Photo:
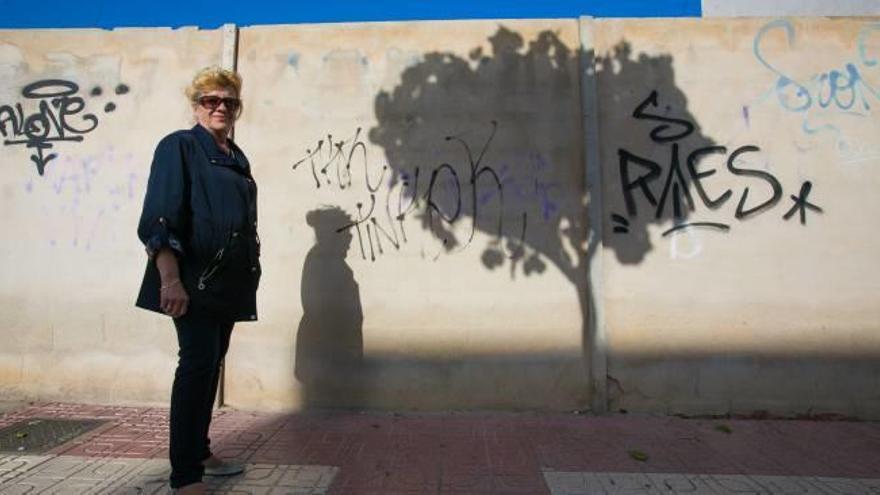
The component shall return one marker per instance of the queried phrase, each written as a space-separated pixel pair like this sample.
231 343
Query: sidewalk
451 453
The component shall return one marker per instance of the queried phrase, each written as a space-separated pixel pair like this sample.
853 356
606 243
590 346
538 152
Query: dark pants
203 343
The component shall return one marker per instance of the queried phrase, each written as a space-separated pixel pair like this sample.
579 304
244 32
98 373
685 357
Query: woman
199 225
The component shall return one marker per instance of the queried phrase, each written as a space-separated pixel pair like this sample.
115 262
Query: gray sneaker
214 466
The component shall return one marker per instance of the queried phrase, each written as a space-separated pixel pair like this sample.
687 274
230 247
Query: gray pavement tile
736 484
107 469
260 475
561 483
626 484
64 475
146 476
62 467
48 473
12 466
279 476
30 486
272 479
846 486
681 483
872 484
587 483
793 485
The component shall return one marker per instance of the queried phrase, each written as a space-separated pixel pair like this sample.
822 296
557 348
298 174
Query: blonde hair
213 78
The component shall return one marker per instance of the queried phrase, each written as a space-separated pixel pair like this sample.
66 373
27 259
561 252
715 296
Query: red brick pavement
487 452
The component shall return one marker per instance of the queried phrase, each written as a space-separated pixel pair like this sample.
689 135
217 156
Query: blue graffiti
844 89
863 37
530 188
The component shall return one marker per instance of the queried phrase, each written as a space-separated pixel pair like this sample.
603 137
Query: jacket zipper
211 269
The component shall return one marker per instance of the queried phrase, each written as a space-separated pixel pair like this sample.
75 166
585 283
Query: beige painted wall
771 314
427 308
71 261
440 329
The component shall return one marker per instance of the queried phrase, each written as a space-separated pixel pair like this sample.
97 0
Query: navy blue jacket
202 203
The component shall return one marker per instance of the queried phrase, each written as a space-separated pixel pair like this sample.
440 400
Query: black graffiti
439 192
332 163
801 204
55 119
638 175
642 182
697 177
675 185
741 211
477 170
329 154
657 134
622 226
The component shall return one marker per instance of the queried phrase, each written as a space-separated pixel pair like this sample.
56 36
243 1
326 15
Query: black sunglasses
211 102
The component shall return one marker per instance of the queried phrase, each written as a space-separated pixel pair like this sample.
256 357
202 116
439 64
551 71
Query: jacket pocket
223 284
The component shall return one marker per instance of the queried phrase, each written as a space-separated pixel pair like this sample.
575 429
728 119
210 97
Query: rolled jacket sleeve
164 219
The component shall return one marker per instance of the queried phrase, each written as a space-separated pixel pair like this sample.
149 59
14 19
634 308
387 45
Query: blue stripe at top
22 14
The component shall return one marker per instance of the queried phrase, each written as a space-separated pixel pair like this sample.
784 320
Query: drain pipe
229 62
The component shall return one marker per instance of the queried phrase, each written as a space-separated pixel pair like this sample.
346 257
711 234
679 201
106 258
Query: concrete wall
770 306
73 180
445 217
385 126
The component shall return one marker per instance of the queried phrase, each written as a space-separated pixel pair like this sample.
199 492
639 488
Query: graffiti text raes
640 175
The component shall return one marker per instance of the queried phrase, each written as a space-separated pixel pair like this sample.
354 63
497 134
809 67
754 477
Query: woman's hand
173 299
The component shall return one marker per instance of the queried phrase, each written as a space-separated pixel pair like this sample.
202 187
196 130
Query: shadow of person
329 340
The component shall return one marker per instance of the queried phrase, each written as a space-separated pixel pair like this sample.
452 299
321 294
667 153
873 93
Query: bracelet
172 284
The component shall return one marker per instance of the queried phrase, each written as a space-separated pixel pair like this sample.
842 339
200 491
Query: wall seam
229 61
595 338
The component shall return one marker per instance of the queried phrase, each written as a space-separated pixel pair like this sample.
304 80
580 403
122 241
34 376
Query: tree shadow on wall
494 144
329 340
656 155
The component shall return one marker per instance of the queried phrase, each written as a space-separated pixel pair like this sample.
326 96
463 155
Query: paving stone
149 476
587 483
789 484
29 488
626 483
736 485
682 483
872 483
563 483
843 486
12 466
82 475
55 475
